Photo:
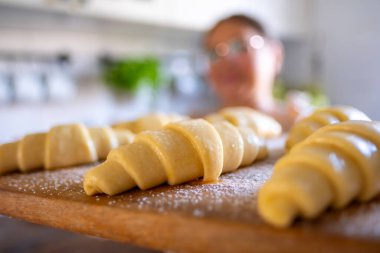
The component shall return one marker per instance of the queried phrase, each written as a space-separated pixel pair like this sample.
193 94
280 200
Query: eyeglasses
235 47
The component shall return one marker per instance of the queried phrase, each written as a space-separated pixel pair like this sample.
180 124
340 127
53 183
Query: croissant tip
279 212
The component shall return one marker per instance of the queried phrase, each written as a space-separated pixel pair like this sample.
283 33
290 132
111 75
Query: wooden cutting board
193 217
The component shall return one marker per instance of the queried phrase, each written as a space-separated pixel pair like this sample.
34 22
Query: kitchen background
54 53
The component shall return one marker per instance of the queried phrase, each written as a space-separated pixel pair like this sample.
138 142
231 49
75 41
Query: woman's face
242 63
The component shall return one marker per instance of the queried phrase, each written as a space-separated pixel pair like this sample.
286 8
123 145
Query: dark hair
252 22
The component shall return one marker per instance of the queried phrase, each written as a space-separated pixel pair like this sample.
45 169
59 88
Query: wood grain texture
192 217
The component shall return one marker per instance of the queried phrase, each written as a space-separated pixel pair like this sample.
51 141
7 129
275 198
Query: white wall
347 39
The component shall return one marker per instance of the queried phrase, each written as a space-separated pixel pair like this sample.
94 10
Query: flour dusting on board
46 183
234 191
232 198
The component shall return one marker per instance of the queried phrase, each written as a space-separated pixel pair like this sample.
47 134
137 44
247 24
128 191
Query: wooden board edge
170 232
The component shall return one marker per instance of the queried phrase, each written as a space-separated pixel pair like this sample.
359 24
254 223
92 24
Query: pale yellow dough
123 136
264 125
337 164
31 152
104 139
62 146
67 145
153 121
8 157
177 153
319 118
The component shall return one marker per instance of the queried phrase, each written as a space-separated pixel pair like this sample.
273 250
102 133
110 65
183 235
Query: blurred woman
244 63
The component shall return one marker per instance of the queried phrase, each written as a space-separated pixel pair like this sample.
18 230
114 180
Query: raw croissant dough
152 121
62 146
264 125
337 164
179 152
320 118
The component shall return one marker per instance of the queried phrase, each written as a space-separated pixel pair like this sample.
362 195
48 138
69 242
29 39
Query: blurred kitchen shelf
285 18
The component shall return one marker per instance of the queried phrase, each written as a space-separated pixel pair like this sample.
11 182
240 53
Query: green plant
130 74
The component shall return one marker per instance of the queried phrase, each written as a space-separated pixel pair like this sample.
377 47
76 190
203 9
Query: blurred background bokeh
103 61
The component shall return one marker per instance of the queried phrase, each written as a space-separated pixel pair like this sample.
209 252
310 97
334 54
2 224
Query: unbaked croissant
320 118
62 146
180 152
153 121
337 164
264 125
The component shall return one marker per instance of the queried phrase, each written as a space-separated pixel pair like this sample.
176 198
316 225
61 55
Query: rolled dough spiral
177 153
264 125
62 146
337 164
320 118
